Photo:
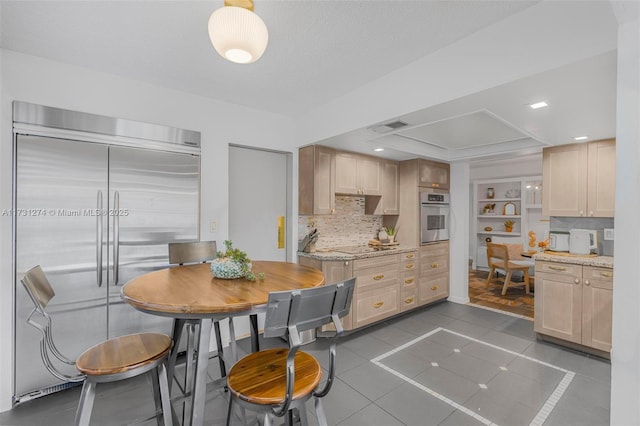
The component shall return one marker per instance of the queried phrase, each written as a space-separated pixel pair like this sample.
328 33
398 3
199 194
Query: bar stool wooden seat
278 382
116 359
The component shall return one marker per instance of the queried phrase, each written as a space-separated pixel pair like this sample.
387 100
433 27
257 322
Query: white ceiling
318 51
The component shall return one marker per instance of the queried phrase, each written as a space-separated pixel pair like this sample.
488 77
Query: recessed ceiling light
379 149
539 105
580 138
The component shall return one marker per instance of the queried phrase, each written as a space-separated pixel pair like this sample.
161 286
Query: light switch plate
608 234
213 226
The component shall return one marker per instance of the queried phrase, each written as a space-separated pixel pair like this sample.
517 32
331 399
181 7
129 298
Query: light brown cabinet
434 174
579 179
357 174
574 303
434 272
316 191
389 204
385 285
413 178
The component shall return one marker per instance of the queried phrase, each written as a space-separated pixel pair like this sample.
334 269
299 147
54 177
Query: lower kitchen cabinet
434 272
389 284
574 303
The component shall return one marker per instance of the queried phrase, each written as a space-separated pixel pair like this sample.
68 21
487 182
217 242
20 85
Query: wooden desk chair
115 359
185 253
278 381
506 257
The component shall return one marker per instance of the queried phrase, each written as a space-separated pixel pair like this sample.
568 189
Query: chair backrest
309 308
192 252
38 287
498 254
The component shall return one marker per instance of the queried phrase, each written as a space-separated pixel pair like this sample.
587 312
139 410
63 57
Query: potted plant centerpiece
232 263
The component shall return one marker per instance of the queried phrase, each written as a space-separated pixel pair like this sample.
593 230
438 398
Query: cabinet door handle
378 277
576 281
378 304
409 256
590 212
581 212
557 268
435 287
408 300
606 274
435 185
409 266
434 265
408 281
586 282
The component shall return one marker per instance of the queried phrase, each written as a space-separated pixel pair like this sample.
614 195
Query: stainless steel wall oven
434 215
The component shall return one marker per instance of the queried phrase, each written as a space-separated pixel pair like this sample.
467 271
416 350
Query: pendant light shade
238 34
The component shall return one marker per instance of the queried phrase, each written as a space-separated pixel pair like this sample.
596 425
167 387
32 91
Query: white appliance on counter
582 241
559 241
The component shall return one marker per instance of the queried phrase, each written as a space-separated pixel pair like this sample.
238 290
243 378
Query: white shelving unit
524 194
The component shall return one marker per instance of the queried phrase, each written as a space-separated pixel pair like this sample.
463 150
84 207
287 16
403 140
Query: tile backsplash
605 248
348 226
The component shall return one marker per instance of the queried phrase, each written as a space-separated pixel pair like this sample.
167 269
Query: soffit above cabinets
475 129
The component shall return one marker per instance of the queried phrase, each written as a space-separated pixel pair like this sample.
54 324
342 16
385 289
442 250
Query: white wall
625 353
40 81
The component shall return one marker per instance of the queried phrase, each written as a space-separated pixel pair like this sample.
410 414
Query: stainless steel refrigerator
96 200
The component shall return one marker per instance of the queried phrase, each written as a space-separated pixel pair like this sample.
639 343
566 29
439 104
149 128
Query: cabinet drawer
408 298
383 275
433 288
407 266
596 273
430 265
376 261
559 268
376 304
435 249
408 280
410 256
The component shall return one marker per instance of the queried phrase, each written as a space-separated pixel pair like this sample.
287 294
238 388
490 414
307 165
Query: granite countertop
330 254
600 261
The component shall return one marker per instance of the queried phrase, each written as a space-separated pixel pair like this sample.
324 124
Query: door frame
289 195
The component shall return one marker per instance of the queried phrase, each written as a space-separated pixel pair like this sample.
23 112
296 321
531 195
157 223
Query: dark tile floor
448 364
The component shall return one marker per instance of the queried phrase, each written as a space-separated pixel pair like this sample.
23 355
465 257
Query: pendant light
237 33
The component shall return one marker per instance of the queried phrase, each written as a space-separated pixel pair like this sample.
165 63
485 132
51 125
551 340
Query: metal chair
500 258
278 382
185 253
115 359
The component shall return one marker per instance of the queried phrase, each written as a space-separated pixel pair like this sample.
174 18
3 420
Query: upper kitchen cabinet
357 174
389 204
579 179
316 194
433 174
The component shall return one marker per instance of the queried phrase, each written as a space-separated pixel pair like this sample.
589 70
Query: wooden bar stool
278 382
115 359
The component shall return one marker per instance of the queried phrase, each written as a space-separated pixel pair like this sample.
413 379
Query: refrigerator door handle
116 237
99 237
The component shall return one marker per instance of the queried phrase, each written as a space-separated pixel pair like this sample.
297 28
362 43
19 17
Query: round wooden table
191 292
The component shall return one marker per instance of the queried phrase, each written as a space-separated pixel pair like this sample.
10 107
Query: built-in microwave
434 215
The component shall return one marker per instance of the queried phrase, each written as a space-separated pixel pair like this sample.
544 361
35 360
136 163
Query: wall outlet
213 226
608 234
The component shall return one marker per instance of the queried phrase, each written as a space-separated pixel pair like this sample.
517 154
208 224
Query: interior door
154 199
258 197
59 185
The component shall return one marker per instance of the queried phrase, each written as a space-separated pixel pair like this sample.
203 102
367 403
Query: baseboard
460 300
